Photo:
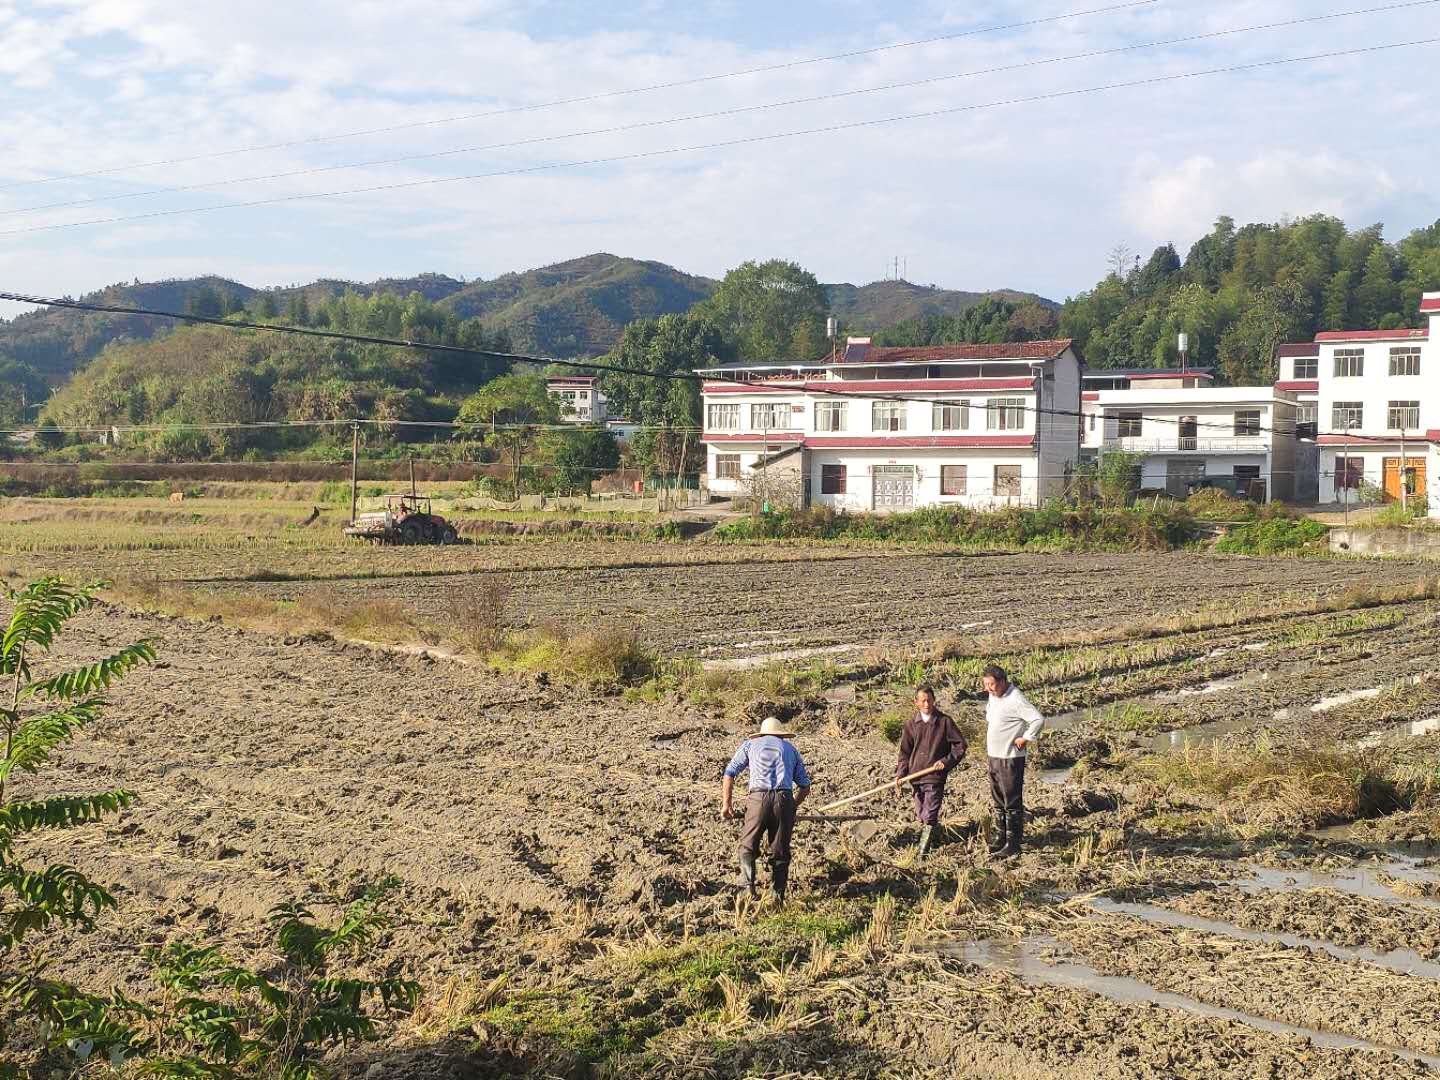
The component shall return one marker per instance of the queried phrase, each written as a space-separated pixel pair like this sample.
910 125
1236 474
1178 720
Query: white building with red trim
579 398
1379 407
885 429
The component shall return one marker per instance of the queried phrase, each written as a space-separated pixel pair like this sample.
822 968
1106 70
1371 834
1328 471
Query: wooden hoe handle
937 767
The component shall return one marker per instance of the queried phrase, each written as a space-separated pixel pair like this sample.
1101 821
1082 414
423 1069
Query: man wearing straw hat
776 768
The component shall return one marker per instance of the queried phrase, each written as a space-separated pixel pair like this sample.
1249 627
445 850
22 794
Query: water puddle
1327 704
1405 853
1366 883
1056 777
1022 959
1403 961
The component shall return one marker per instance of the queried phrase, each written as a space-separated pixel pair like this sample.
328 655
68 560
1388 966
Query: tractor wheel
448 535
411 533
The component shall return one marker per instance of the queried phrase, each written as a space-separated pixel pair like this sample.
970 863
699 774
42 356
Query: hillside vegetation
1240 292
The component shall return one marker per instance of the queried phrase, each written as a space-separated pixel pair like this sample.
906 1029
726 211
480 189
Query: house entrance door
894 487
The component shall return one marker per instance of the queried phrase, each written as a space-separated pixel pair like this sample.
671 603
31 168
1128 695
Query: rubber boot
927 834
747 874
1017 834
1002 835
780 881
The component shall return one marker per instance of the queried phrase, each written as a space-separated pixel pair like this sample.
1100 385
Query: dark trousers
771 814
927 802
1007 785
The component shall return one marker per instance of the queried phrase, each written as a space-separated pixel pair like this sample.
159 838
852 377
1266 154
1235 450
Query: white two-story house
579 398
885 429
1239 438
1379 407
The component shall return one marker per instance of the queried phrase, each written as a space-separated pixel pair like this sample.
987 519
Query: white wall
1376 388
980 465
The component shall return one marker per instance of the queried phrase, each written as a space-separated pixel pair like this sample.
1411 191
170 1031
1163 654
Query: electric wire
852 125
718 113
587 98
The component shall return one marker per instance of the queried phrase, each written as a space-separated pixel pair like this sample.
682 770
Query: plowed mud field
565 888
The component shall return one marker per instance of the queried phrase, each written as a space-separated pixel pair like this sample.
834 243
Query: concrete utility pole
1404 474
354 463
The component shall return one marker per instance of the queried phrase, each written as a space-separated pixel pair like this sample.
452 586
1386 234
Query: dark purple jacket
922 744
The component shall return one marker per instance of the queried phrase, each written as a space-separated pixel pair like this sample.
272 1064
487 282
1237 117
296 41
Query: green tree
773 310
1247 350
1378 294
1335 302
511 411
579 456
206 301
21 389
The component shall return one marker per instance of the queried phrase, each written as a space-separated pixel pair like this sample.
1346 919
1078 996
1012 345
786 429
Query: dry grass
603 657
476 616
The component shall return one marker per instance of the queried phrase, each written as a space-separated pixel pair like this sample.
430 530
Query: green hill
881 304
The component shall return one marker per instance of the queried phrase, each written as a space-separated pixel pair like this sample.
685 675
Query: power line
852 125
720 113
586 98
305 331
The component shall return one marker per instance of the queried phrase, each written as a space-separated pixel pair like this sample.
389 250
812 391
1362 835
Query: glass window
887 416
1405 360
1347 415
830 415
1007 480
1307 367
1403 416
727 466
723 418
1005 414
950 416
1247 423
1349 363
953 479
771 416
832 479
1128 425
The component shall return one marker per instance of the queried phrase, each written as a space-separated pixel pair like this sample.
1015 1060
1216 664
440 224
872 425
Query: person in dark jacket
930 736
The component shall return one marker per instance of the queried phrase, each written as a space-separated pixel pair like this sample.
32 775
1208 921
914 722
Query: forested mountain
867 309
1239 292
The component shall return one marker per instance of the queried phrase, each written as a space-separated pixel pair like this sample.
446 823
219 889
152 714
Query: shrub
605 658
477 616
1275 536
43 716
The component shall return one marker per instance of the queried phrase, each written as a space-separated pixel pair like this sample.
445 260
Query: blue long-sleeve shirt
774 764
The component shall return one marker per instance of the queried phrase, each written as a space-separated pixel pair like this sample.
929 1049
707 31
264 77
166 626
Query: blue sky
1029 196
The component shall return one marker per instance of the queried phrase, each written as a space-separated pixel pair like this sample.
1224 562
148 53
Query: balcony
1233 444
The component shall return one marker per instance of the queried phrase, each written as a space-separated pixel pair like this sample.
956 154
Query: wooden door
1415 479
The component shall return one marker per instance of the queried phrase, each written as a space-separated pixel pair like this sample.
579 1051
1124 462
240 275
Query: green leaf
59 894
96 676
59 812
40 610
39 736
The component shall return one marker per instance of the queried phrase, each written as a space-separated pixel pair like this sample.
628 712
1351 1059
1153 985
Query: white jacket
1008 718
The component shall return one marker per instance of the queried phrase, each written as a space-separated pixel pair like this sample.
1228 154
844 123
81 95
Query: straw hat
772 726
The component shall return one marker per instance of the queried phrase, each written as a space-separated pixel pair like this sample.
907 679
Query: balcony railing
1234 444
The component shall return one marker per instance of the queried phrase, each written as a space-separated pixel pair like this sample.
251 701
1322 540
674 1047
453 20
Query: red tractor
406 519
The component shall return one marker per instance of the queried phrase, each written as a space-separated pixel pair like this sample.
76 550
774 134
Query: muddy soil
522 820
754 609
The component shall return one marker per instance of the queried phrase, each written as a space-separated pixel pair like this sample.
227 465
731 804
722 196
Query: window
887 416
1247 423
1347 415
1405 360
727 466
723 418
830 415
1349 472
1128 425
832 479
1307 367
1403 416
1092 421
771 416
1307 420
950 416
1005 414
953 479
1349 363
1007 481
1247 482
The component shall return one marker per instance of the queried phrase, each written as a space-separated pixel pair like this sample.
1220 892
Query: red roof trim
1176 374
756 437
1090 395
919 442
1430 306
571 380
1433 434
1372 335
872 386
1009 350
1303 386
1360 442
1304 349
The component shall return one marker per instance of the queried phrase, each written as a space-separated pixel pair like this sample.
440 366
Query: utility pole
412 477
765 461
1404 473
354 466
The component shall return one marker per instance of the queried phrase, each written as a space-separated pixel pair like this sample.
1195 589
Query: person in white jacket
1011 725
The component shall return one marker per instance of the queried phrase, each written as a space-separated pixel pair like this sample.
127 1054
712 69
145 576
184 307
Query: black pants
771 814
1007 784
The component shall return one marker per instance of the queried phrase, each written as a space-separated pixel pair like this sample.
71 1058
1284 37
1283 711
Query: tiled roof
1372 335
1303 348
1011 350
